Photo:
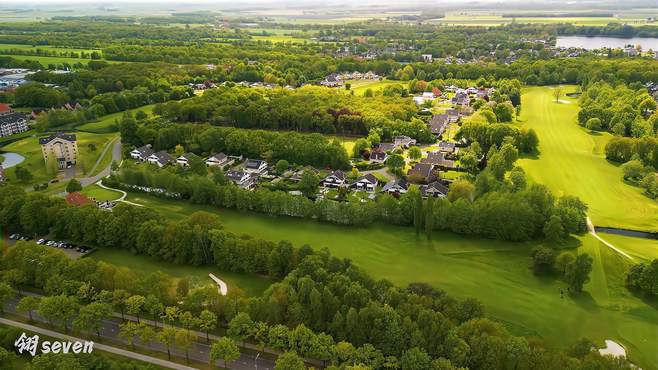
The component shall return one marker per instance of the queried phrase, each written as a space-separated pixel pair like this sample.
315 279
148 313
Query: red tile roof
77 199
4 108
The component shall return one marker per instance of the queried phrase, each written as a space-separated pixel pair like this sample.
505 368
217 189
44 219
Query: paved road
198 352
98 346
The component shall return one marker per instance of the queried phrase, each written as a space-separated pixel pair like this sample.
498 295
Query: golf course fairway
571 160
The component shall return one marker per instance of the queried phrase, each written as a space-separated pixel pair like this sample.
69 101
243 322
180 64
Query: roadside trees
28 304
91 317
226 349
207 322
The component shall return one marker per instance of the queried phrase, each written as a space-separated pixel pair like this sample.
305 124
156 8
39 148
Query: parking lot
71 249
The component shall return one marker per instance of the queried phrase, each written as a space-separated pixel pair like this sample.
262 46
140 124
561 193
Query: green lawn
250 284
87 157
98 193
7 47
644 250
108 122
572 161
49 60
482 19
30 149
497 273
360 86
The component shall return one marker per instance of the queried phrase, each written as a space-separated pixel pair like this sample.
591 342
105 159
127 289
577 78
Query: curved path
102 347
223 288
590 227
123 194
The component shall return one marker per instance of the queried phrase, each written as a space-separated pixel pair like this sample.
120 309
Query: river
592 43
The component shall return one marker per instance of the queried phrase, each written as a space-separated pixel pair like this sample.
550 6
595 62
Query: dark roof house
58 135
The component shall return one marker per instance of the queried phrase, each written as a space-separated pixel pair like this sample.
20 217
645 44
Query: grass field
87 157
45 61
250 284
572 161
360 86
30 149
108 122
484 19
98 193
281 38
497 273
4 47
643 250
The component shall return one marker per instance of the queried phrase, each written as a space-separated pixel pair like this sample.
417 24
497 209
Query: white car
41 241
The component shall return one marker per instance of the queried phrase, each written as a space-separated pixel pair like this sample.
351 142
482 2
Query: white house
161 158
255 166
335 180
184 160
435 189
142 153
366 183
404 141
396 187
218 160
378 155
242 179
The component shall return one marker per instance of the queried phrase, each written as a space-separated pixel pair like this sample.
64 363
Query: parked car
41 241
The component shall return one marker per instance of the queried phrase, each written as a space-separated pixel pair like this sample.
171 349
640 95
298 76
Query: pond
591 43
11 159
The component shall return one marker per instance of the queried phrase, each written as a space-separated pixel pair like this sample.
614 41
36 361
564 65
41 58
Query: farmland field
572 161
495 272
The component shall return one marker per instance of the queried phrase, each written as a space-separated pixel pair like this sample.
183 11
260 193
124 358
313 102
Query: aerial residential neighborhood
301 185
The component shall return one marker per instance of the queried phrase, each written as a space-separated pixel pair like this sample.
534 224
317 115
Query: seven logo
30 344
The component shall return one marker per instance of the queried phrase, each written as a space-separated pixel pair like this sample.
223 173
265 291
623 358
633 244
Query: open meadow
108 123
572 161
497 273
494 19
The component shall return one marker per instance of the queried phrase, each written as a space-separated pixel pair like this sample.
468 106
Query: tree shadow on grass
585 300
648 300
534 155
